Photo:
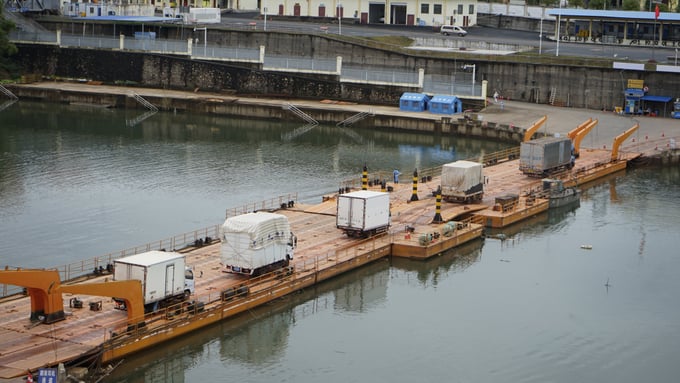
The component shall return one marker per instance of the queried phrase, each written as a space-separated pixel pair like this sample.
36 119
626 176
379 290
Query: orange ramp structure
537 125
619 140
581 134
572 133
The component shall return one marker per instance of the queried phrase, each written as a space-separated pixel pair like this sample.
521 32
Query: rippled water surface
533 307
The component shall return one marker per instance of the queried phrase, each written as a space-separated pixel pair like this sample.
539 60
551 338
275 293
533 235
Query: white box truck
164 275
462 181
256 243
363 213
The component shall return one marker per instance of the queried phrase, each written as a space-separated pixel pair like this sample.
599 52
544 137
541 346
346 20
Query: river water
530 305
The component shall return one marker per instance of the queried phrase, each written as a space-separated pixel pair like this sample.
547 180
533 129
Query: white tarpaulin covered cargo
461 178
254 240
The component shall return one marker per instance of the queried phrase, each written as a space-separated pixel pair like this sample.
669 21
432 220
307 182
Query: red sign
656 12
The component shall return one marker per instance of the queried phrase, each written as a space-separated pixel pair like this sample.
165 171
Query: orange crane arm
582 133
619 140
537 125
42 287
572 133
130 291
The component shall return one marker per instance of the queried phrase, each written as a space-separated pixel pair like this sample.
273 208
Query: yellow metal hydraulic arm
619 140
537 125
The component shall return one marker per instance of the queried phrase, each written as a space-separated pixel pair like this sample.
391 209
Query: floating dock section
94 328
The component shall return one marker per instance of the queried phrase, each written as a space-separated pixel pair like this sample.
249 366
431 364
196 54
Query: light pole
654 31
474 68
676 56
559 19
205 39
339 18
265 17
540 37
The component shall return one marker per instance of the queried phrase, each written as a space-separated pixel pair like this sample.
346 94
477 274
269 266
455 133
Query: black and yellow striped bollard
414 196
438 207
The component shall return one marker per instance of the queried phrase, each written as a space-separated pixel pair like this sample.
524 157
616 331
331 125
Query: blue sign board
47 375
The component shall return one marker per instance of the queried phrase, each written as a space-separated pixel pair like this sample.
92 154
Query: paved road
475 33
654 133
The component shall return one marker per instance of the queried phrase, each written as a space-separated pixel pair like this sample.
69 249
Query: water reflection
260 337
90 184
431 271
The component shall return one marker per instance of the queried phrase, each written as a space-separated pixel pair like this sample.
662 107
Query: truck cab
189 284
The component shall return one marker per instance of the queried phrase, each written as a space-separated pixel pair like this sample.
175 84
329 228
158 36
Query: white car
452 30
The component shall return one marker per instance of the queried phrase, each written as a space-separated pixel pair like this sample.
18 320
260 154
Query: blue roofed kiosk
413 102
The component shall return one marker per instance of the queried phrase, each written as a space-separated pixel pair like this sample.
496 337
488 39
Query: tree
596 4
631 5
7 49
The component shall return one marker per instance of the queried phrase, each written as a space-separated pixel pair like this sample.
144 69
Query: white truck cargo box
462 180
363 212
542 156
255 240
162 273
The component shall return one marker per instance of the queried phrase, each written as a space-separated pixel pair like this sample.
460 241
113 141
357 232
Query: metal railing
268 204
87 267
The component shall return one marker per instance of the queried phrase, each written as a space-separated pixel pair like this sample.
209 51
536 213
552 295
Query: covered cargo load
462 181
363 213
543 156
256 243
164 276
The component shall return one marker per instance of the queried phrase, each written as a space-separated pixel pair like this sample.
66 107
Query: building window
437 10
425 8
472 9
460 9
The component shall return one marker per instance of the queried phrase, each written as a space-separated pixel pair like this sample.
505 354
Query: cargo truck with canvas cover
462 181
545 156
363 213
256 243
164 275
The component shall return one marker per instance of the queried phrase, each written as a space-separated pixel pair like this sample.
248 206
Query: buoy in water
587 247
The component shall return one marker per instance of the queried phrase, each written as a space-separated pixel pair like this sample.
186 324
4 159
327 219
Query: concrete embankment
505 121
325 111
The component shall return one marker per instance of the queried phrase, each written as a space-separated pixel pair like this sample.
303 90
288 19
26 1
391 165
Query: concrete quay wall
182 73
581 83
272 109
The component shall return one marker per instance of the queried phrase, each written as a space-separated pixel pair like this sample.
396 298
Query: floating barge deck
99 331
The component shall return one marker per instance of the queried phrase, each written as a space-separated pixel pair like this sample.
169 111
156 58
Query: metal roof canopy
657 98
139 19
614 15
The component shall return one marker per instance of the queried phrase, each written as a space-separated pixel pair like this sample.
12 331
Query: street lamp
265 18
540 37
654 30
205 39
474 68
339 8
559 22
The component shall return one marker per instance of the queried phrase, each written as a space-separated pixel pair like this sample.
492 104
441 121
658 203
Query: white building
405 12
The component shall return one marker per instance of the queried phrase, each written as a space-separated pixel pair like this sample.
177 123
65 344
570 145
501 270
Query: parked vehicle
164 275
256 243
462 181
547 155
363 213
452 30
